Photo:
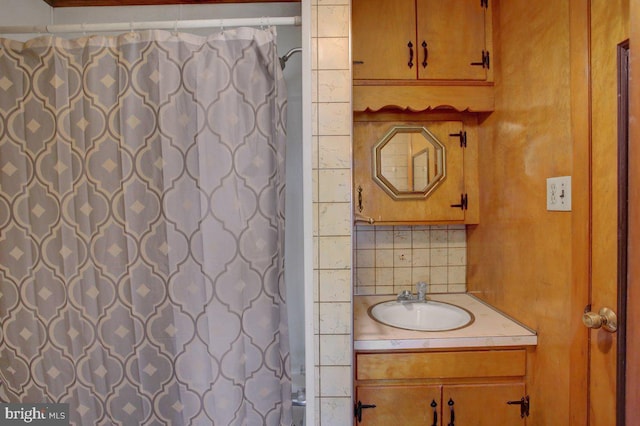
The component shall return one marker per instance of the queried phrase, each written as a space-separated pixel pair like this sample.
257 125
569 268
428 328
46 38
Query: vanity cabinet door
371 200
482 404
404 405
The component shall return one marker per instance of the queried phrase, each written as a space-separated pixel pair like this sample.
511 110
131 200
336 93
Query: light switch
559 193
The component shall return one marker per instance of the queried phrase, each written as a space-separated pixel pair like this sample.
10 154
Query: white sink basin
422 316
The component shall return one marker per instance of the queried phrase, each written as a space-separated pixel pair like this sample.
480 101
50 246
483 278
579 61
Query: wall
32 12
332 210
389 259
520 255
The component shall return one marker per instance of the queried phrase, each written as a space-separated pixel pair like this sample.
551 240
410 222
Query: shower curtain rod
152 25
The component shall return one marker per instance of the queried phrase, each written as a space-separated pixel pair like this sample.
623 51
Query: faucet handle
404 295
421 290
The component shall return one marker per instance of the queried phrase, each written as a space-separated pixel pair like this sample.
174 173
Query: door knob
605 318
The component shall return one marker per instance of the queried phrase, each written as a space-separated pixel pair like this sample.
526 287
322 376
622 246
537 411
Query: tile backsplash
389 259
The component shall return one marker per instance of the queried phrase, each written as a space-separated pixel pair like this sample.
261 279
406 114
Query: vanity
422 84
472 375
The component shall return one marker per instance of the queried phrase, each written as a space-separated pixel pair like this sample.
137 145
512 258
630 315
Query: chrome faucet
422 291
405 296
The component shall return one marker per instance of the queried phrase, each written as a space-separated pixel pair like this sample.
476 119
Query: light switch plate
559 193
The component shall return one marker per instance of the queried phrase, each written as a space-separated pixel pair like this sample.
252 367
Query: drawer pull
410 46
426 54
453 413
434 405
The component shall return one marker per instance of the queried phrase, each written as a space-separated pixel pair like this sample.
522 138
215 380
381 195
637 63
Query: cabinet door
455 37
381 33
400 405
373 202
482 404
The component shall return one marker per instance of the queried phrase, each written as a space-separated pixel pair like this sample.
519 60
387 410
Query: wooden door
453 35
482 404
371 201
609 28
405 405
383 39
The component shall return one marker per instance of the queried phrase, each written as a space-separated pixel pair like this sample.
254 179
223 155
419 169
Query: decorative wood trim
468 98
581 223
623 228
632 407
84 3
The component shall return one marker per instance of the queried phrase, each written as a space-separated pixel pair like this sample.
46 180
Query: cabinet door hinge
463 202
463 137
524 404
485 59
485 62
484 3
357 410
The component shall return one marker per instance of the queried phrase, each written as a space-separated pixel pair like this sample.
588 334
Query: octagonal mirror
409 162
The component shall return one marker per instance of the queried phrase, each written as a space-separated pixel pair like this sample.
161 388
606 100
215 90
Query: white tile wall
386 259
331 94
390 259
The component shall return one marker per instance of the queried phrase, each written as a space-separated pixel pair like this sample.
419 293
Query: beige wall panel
520 255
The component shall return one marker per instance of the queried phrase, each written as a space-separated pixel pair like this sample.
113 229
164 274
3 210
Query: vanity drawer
440 365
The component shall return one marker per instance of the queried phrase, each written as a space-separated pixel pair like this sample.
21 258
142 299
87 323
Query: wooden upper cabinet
453 200
382 31
453 34
421 40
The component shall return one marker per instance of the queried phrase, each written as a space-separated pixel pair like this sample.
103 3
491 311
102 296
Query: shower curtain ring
175 28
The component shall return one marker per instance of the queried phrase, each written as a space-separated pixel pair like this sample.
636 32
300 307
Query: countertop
490 328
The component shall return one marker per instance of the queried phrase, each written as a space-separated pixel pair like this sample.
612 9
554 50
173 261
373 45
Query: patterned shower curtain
141 228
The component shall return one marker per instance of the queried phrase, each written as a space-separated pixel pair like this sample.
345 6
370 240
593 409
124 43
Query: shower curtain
141 228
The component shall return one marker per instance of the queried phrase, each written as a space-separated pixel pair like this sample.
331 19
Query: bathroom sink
421 316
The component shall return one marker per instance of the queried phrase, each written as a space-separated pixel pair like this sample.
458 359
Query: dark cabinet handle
426 54
357 410
453 413
434 405
410 46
